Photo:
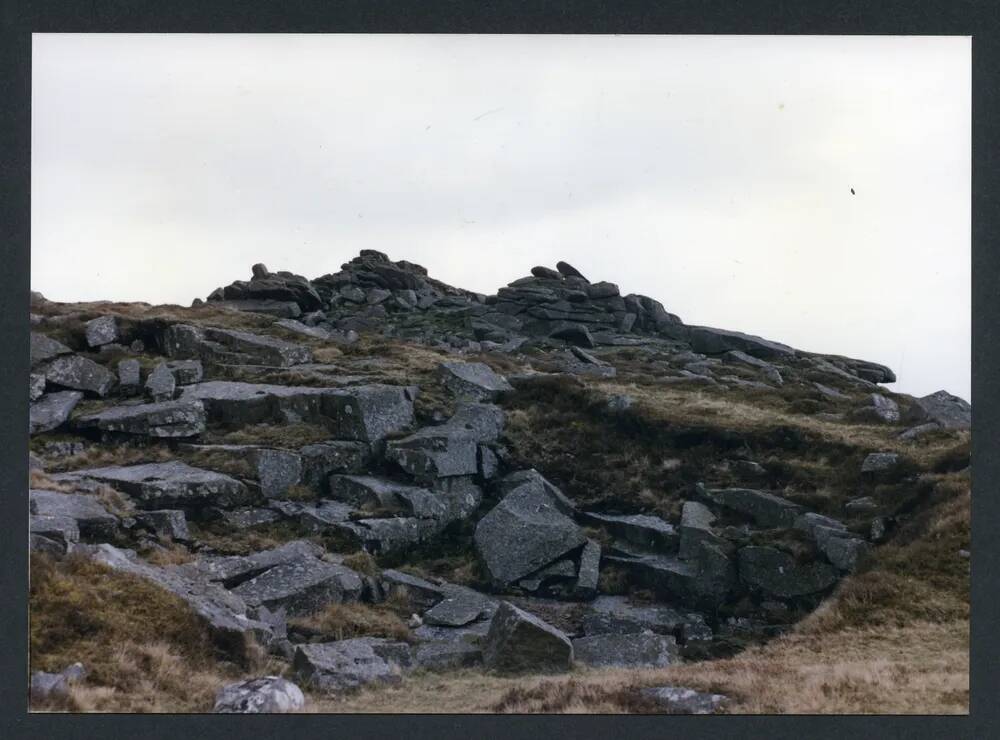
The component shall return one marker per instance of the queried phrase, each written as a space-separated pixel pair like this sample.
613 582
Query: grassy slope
893 638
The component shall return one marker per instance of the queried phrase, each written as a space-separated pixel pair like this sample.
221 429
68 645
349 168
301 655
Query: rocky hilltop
372 476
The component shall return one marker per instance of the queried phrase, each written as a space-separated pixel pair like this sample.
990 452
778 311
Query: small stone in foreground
681 700
266 695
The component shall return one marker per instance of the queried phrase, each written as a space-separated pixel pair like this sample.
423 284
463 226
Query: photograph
499 374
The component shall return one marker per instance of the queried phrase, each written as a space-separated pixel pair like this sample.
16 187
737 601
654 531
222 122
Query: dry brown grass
95 456
344 621
270 435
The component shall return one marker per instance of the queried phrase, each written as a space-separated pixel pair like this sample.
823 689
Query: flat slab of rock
682 700
766 509
233 570
473 380
525 532
710 341
519 642
629 650
170 419
265 695
449 449
778 574
167 485
78 373
455 611
369 492
44 348
301 586
89 515
346 665
364 413
51 411
649 532
227 346
619 615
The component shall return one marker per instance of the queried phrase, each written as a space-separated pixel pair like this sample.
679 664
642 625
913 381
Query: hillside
391 494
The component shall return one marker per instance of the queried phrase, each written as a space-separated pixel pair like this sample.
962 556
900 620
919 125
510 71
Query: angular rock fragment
43 348
710 341
525 532
36 386
52 410
129 377
519 642
473 380
450 449
170 419
682 700
943 408
588 572
277 471
766 509
265 695
778 574
102 330
629 650
160 384
167 485
169 523
78 373
186 372
301 586
346 665
91 518
879 462
646 531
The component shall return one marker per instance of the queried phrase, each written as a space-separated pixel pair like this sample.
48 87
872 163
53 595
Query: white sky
711 173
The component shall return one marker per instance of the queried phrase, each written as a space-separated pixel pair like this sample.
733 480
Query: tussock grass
345 621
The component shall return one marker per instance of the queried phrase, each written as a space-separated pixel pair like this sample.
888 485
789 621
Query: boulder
346 665
539 488
649 532
52 534
186 372
273 286
43 348
948 411
232 570
473 380
371 493
629 650
88 515
456 611
696 526
167 485
777 574
51 411
877 463
418 592
450 449
129 376
169 523
277 471
170 419
880 410
588 572
682 700
78 373
765 509
710 341
102 330
277 309
265 695
567 270
321 459
160 384
301 586
519 642
46 686
228 346
618 615
526 531
449 648
546 272
365 413
920 430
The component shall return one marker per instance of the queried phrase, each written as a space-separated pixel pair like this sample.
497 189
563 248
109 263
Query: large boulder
519 642
777 573
265 695
649 532
301 586
51 411
449 449
49 509
101 331
682 700
228 346
78 373
628 650
696 526
277 309
44 348
160 384
765 509
948 411
232 570
526 531
271 286
170 419
710 341
364 413
475 381
171 484
346 665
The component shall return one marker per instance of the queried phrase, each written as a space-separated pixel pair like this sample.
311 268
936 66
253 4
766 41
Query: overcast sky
712 173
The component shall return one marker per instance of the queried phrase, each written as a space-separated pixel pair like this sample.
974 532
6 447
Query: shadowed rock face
776 573
629 650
